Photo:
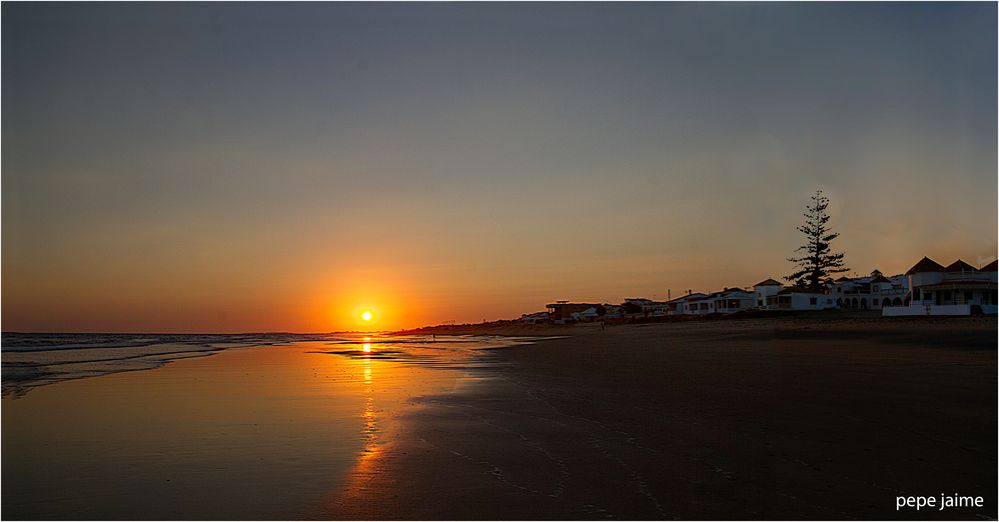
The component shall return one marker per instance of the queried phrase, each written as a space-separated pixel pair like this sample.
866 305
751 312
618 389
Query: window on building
968 297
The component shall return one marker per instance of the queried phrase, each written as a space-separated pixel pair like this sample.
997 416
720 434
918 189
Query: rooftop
925 265
960 266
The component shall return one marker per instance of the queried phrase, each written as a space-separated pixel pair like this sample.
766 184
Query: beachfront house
612 311
872 292
698 304
561 312
763 290
886 292
796 298
731 300
727 301
956 289
648 307
590 314
535 318
681 305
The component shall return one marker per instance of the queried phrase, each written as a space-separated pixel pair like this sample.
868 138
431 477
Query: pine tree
817 263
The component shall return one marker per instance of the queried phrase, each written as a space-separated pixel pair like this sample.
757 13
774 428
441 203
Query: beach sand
777 419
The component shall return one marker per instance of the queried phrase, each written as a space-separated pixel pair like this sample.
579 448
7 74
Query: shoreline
760 419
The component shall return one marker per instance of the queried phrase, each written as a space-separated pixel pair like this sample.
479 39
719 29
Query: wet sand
253 433
776 419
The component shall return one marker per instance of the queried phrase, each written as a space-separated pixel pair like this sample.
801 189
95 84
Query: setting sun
367 315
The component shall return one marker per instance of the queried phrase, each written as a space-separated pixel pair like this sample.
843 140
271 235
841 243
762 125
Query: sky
235 167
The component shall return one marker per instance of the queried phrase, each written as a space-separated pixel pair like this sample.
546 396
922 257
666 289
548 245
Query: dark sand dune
794 419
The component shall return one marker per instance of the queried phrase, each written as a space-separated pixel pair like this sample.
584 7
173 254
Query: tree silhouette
818 262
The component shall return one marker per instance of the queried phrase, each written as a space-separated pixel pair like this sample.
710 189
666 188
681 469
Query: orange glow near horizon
363 300
325 295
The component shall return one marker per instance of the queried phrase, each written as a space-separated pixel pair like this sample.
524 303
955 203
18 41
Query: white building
731 300
535 318
765 289
872 292
698 304
727 301
794 298
648 306
957 289
612 311
682 305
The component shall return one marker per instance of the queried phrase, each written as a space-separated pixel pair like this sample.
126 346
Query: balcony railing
968 276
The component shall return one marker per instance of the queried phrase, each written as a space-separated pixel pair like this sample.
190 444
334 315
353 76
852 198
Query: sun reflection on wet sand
387 388
206 430
370 419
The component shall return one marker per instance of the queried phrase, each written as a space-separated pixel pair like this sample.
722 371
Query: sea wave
34 342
